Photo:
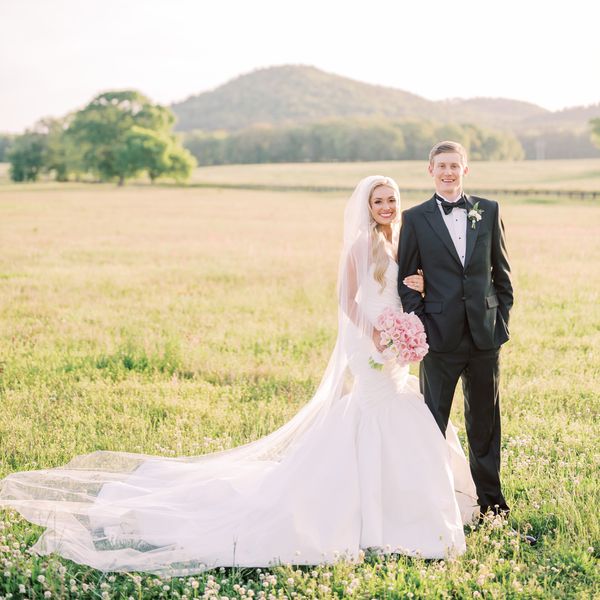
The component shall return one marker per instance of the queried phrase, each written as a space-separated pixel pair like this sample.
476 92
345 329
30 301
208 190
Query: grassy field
120 313
580 175
583 175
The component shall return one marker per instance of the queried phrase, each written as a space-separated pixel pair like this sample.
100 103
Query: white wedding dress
362 465
375 472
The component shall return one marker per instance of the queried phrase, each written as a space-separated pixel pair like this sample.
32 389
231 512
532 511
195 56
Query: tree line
346 140
117 136
120 135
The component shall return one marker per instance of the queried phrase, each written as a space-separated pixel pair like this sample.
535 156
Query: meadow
179 321
580 175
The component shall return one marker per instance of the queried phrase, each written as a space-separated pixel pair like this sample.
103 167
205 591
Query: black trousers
479 372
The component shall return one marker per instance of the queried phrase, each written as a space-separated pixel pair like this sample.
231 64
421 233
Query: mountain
293 94
301 95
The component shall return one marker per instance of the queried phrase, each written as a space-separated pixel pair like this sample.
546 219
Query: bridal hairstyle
379 253
70 501
448 146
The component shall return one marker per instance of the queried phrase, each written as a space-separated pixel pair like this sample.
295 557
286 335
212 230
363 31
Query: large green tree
121 134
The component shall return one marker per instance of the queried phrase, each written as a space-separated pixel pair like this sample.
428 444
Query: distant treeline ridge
346 140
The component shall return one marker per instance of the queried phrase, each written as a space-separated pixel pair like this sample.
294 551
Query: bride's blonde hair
379 254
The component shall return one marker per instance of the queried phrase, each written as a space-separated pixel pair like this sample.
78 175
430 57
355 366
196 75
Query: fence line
582 194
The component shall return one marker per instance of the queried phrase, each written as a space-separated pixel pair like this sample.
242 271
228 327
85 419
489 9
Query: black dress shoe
527 538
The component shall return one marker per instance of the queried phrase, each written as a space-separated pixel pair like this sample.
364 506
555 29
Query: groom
458 242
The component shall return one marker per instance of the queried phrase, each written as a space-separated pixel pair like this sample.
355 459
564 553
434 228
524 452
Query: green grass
579 175
547 175
120 320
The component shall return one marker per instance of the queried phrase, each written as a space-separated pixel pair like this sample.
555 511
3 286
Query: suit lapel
435 220
471 233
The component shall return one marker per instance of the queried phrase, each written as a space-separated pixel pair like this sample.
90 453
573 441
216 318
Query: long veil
71 501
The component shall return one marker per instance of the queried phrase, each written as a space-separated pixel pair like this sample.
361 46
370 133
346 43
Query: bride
363 465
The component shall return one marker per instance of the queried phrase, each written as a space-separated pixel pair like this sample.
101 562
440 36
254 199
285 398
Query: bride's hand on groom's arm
415 282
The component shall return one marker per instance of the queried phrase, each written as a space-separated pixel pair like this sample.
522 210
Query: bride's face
383 205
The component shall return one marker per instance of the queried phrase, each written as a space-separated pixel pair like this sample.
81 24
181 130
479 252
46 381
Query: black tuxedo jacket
479 295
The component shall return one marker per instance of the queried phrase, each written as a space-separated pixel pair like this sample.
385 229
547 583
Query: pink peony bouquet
403 335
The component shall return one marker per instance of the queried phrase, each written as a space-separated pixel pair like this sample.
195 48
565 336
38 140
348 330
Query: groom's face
448 170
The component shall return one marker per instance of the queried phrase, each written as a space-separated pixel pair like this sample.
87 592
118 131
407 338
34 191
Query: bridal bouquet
403 336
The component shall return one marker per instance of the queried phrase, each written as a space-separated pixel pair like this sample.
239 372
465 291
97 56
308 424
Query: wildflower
41 578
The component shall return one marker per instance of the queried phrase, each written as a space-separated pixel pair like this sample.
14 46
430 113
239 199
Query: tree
121 134
181 164
155 152
62 156
26 156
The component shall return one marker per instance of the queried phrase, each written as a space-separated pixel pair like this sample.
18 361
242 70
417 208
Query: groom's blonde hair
448 146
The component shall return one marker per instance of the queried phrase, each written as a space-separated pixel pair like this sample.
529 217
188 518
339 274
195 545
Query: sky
56 55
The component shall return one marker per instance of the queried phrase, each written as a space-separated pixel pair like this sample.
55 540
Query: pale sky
56 55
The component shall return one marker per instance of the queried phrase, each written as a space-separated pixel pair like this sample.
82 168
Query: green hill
298 95
294 94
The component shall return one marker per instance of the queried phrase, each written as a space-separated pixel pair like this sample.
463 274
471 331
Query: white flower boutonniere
475 214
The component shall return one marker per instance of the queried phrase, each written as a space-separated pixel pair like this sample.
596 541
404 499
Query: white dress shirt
456 222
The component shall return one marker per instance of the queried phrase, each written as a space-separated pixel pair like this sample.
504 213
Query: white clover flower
21 589
41 578
47 594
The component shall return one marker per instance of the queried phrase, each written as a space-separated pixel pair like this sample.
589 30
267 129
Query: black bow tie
448 206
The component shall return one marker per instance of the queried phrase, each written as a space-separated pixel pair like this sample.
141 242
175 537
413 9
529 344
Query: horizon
70 52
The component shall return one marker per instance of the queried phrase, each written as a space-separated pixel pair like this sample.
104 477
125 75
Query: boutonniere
475 214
